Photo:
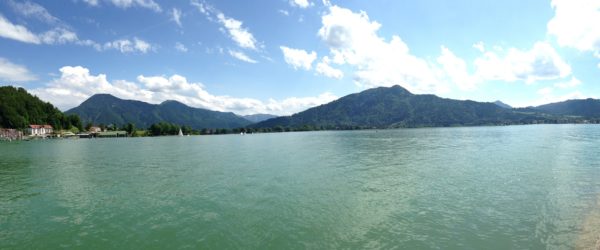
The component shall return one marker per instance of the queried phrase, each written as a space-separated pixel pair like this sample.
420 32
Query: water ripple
514 187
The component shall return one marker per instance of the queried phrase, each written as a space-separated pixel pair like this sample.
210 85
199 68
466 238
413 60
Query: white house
39 130
95 130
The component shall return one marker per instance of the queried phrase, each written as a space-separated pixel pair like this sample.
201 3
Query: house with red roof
39 130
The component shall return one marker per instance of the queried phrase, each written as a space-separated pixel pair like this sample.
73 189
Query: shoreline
36 138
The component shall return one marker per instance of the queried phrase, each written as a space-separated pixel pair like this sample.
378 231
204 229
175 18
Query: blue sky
283 56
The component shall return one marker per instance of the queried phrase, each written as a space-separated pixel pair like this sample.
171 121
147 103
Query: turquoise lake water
513 187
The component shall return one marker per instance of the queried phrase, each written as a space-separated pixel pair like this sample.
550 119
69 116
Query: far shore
242 131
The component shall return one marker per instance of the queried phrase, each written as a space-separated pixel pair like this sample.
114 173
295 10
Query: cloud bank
76 84
353 40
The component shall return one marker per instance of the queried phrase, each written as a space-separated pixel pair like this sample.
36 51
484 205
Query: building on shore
95 130
10 134
39 130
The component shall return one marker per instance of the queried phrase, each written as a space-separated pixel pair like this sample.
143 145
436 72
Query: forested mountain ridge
391 107
589 108
108 109
19 109
502 104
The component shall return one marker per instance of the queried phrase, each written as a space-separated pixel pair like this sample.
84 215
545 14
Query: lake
512 187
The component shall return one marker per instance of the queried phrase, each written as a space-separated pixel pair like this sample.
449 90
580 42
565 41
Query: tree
165 128
155 130
130 128
88 126
186 130
18 109
74 121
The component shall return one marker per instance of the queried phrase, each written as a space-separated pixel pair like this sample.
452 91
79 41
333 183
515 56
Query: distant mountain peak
389 107
502 104
102 95
399 87
173 102
396 88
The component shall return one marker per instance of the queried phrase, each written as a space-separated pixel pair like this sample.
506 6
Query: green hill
18 109
107 109
502 105
589 108
396 107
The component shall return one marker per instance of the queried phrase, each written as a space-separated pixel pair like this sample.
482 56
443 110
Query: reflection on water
516 187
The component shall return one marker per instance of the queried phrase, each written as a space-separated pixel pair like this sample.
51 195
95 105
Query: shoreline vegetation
377 108
166 129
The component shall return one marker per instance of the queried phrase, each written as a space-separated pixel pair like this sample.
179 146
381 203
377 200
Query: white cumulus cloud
297 58
576 24
11 72
76 84
541 62
456 70
324 68
301 3
353 40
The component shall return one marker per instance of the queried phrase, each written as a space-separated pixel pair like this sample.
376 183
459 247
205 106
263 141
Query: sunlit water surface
515 187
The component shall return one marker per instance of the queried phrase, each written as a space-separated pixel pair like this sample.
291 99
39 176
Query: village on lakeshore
45 131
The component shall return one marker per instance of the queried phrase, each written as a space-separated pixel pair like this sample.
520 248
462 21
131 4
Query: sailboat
180 133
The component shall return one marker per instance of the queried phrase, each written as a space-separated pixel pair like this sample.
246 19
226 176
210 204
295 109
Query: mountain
107 109
389 107
589 108
258 117
502 105
19 109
